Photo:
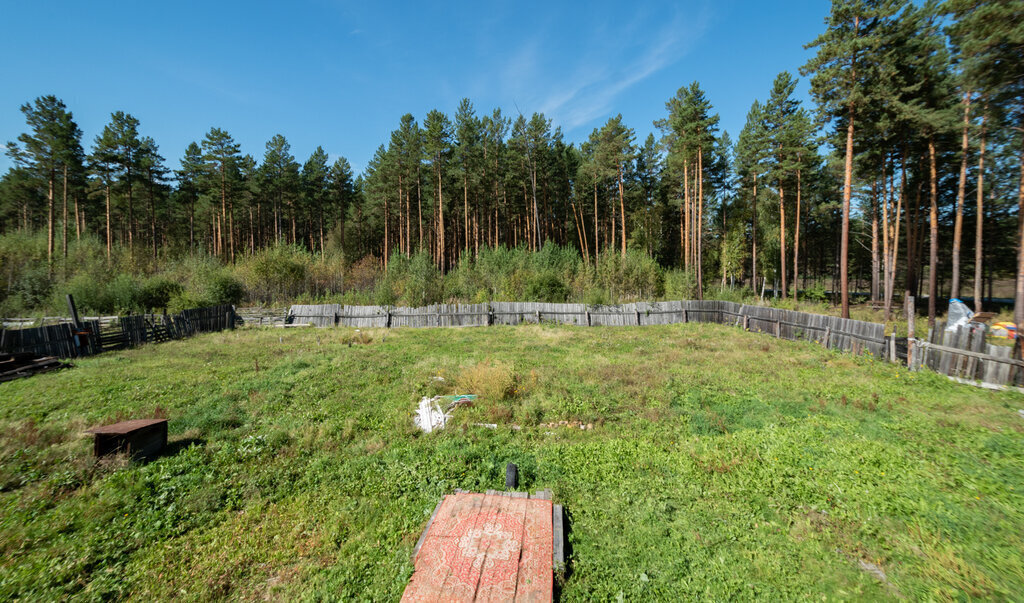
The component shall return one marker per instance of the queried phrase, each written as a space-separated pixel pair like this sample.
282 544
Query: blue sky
341 74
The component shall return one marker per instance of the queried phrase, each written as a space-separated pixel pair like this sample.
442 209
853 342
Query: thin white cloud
608 66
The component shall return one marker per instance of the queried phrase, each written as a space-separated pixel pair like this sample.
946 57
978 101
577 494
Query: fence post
828 336
746 322
538 316
638 318
588 318
778 328
686 318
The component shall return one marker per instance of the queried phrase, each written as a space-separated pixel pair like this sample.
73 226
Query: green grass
720 465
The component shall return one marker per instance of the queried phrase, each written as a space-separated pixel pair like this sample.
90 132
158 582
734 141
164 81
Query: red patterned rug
485 547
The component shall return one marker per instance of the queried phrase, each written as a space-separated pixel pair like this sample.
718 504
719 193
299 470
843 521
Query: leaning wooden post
778 328
746 322
828 336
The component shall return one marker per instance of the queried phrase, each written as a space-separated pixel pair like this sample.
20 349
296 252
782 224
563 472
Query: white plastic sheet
959 315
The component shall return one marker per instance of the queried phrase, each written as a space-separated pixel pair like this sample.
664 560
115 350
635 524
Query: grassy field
720 464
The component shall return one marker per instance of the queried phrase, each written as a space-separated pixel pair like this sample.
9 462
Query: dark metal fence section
63 340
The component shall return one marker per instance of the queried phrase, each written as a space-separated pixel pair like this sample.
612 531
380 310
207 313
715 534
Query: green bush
815 293
410 281
547 287
222 288
633 277
156 292
276 273
680 284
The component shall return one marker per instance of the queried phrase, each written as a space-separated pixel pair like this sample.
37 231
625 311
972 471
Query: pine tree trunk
291 213
875 264
49 221
223 206
64 224
401 227
1018 301
686 220
440 219
753 238
782 239
79 220
152 218
682 231
387 232
960 197
910 222
419 210
536 217
895 239
844 245
796 237
933 233
980 220
622 212
612 244
109 239
231 228
597 232
700 223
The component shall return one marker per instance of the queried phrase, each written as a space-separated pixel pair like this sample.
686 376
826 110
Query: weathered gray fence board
320 315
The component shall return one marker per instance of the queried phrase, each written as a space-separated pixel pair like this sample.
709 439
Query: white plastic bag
959 315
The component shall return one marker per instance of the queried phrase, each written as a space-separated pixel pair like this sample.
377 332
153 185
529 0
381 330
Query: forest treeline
906 173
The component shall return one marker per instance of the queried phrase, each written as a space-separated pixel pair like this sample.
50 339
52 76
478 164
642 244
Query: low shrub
491 380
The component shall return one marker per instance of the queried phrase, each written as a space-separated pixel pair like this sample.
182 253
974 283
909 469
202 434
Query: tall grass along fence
962 355
89 337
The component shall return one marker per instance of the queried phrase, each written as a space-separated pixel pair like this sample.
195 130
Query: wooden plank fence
964 354
94 337
832 332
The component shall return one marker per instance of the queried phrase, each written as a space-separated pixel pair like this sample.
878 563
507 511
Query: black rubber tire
511 476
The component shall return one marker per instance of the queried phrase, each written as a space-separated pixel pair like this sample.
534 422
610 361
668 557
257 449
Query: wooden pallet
495 546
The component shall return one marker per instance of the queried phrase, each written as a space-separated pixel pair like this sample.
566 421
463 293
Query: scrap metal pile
13 366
